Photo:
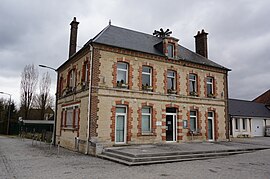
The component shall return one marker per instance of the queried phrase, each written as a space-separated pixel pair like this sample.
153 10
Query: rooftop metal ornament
162 33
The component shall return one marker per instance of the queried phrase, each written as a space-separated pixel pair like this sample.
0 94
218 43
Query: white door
257 127
120 125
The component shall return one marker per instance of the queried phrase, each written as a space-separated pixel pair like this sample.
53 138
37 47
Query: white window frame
196 119
170 45
125 120
213 124
237 124
193 80
147 73
211 82
72 78
150 120
86 76
122 69
171 77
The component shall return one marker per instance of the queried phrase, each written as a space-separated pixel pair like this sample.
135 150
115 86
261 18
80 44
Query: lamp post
1 92
55 114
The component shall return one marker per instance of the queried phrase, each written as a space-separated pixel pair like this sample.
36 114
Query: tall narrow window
86 72
69 117
192 84
193 120
170 49
236 123
71 78
146 120
244 122
120 124
210 86
146 77
171 81
122 74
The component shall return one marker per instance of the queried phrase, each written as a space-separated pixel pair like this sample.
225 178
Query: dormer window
170 49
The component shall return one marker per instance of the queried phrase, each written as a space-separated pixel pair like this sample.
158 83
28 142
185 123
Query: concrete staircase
167 157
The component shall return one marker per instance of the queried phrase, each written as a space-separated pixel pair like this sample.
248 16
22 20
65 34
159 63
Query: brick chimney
201 43
73 37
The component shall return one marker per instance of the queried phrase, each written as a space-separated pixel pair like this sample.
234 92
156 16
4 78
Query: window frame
72 78
196 119
86 71
172 50
212 86
124 70
191 81
171 77
236 122
150 119
147 73
75 117
244 124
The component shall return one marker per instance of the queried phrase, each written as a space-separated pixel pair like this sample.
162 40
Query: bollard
58 148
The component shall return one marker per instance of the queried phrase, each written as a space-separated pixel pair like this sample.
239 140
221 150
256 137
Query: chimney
73 37
201 43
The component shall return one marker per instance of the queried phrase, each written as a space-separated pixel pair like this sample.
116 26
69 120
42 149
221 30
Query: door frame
125 125
213 126
174 126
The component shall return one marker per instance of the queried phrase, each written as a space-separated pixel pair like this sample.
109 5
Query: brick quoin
129 120
94 91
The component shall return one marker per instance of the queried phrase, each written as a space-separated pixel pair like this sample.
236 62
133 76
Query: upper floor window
192 84
122 74
85 72
210 86
146 78
170 49
193 120
146 120
71 78
171 81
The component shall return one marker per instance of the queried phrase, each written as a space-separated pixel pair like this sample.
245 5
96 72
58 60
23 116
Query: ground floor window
193 120
244 123
146 120
236 123
70 117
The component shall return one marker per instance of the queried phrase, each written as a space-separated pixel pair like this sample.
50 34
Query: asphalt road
20 159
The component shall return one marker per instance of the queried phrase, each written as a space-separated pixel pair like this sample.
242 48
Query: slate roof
138 41
247 109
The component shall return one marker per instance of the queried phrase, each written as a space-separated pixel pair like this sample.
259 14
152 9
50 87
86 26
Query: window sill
69 128
147 134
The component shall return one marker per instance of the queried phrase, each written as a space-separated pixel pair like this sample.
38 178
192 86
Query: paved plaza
21 159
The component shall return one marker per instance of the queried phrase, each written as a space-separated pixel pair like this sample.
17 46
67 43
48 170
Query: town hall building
126 87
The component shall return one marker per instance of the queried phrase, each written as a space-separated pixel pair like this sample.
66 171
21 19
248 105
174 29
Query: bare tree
29 79
43 99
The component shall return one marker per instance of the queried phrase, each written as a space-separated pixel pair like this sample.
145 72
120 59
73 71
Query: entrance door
257 127
171 129
210 126
120 125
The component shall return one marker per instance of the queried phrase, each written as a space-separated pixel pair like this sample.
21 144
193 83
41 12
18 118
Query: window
170 49
192 84
171 81
122 74
193 120
146 77
244 122
210 86
71 78
70 117
146 120
85 72
236 123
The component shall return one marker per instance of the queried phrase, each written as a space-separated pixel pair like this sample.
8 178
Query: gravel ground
21 159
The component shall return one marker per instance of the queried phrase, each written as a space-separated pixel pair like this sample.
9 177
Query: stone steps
167 157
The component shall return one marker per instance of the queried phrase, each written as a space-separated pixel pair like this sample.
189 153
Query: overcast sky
37 32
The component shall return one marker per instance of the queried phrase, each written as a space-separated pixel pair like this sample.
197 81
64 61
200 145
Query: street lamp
55 114
1 92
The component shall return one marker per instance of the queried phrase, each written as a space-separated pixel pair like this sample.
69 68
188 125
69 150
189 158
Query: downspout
227 107
89 100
